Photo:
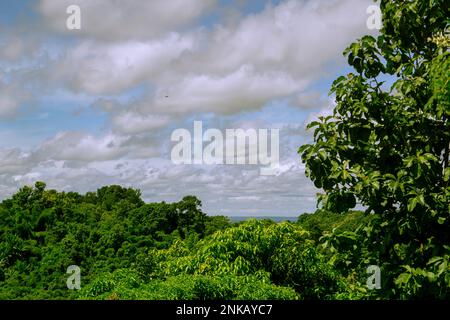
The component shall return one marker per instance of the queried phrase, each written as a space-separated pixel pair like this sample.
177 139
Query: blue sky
84 108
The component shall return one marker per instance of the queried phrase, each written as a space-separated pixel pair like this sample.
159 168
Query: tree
281 253
325 221
42 232
387 147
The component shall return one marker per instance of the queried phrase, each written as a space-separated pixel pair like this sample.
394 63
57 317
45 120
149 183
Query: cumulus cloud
85 148
135 123
295 36
13 161
241 90
229 68
80 147
102 68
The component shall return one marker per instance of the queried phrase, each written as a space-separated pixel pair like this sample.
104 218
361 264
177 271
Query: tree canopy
386 146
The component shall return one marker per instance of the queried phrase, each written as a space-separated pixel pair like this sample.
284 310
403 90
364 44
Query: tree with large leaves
386 146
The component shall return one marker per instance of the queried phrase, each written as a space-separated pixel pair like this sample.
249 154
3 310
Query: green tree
325 221
42 232
387 147
282 253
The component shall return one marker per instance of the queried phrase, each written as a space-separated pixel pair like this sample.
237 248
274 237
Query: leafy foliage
126 284
282 251
42 232
323 221
128 249
388 147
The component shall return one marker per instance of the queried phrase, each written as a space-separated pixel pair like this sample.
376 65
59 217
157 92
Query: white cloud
135 123
102 68
243 89
13 161
297 37
230 68
76 146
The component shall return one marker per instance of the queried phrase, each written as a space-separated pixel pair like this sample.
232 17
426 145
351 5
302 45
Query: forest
385 148
127 249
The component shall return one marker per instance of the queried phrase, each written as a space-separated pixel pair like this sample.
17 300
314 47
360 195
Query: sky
80 109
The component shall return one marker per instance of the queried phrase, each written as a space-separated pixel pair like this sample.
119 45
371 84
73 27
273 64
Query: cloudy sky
80 109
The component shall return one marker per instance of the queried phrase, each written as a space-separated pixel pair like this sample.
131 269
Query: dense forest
127 249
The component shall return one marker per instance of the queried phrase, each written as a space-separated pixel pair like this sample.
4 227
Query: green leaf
447 174
412 203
